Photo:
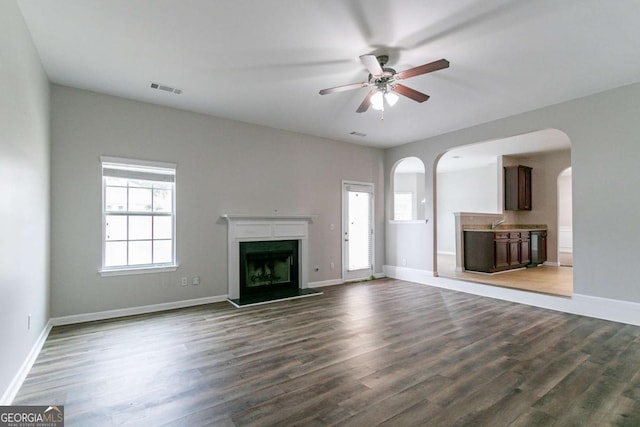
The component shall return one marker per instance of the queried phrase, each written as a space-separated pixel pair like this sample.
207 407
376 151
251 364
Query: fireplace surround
264 229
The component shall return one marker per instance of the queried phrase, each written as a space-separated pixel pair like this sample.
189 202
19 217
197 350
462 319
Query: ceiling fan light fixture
391 98
377 101
385 82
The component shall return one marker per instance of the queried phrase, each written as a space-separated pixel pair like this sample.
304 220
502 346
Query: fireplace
268 266
282 232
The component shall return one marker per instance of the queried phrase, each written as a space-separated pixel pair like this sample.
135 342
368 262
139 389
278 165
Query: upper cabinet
517 188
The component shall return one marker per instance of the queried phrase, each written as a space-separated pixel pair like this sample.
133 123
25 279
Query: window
408 181
403 203
138 215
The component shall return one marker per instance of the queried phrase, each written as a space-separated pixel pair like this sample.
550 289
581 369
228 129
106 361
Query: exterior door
357 230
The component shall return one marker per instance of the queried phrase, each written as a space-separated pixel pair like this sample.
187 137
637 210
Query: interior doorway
468 192
565 219
357 230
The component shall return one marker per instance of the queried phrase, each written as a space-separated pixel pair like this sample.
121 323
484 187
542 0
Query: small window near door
409 190
403 206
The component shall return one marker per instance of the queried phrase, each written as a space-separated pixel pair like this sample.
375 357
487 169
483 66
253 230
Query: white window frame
138 169
411 206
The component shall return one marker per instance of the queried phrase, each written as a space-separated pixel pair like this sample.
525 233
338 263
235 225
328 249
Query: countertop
504 227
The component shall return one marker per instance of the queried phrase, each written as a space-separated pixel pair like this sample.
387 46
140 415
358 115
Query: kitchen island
490 249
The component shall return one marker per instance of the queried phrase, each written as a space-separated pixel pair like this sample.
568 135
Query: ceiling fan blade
366 102
343 88
372 64
410 93
423 69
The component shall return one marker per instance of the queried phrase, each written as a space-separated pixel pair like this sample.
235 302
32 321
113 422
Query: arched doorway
468 191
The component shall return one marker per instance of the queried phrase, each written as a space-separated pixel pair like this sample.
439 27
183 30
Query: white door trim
360 274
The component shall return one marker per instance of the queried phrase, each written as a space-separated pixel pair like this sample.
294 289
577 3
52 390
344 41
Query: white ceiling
264 62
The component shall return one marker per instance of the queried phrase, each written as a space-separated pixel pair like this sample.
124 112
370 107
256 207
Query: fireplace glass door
268 266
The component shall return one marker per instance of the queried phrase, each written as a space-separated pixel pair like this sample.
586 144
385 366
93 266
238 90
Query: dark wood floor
385 352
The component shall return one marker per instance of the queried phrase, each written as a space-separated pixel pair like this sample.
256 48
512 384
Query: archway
468 193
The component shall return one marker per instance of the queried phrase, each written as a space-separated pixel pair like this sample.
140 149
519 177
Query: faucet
497 223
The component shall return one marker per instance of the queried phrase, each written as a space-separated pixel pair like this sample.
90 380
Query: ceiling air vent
354 133
166 88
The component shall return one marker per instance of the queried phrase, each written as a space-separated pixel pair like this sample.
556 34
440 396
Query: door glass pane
139 227
359 229
140 252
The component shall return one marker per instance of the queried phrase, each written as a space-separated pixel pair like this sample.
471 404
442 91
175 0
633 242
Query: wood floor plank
384 352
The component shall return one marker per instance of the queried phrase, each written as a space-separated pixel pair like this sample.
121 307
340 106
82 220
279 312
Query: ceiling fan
386 82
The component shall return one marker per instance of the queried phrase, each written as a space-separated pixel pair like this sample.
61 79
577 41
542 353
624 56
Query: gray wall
24 193
222 167
544 194
466 190
604 131
565 209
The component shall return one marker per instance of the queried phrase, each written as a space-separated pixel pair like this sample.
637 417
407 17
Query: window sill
140 270
408 221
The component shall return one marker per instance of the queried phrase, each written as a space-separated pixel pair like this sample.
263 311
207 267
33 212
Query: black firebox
268 266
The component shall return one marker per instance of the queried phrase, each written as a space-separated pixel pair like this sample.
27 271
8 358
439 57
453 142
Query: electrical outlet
333 266
183 281
404 261
195 281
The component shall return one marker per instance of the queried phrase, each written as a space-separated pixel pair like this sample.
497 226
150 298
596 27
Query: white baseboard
11 391
408 274
446 253
334 282
324 283
112 314
585 305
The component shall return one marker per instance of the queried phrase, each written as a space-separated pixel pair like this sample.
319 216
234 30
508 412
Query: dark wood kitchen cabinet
496 251
525 248
517 188
502 249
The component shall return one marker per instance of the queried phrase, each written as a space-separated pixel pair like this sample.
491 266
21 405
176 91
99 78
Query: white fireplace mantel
254 228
